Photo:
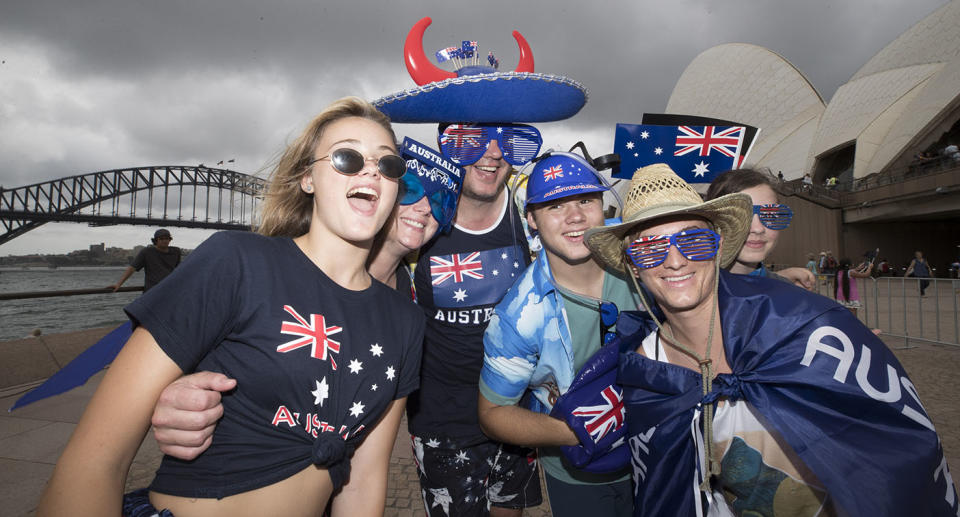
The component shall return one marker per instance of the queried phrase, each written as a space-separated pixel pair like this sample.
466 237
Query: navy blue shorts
465 480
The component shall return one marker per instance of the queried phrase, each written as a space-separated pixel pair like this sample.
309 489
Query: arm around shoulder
90 474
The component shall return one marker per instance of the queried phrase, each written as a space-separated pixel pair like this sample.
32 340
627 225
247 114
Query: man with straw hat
747 395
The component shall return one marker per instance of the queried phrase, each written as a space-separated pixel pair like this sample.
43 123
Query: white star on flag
644 135
433 442
495 272
321 393
499 130
700 169
629 145
459 295
658 151
376 349
357 409
391 373
441 498
461 457
516 264
503 256
355 366
373 387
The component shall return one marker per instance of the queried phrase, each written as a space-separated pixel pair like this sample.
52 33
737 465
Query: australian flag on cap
434 171
561 175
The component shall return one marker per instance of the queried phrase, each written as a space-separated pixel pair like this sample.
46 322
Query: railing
841 192
71 292
895 306
899 175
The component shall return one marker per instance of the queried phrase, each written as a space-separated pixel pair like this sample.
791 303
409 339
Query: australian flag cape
821 378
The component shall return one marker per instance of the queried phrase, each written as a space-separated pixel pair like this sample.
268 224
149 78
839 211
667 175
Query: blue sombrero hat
478 93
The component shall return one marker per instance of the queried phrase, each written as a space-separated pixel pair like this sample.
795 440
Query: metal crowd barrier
894 305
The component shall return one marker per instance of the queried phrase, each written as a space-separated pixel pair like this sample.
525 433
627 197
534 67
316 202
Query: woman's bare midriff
303 494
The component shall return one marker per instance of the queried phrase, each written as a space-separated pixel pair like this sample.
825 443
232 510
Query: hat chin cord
706 370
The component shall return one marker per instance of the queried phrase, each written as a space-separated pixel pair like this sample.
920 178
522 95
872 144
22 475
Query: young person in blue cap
545 329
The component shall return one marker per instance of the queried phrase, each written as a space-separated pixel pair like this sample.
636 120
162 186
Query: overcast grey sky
105 84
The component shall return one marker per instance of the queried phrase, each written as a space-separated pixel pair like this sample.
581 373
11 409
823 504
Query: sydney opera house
902 102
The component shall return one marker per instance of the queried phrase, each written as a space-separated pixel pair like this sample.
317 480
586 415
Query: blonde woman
323 356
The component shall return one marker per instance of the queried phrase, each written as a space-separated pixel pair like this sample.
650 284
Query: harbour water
18 318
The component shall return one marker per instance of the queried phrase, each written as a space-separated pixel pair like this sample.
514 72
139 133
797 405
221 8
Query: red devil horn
421 69
526 55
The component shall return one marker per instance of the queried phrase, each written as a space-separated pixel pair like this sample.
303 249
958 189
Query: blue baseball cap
561 175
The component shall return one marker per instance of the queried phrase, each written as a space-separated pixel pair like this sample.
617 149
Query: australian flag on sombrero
696 152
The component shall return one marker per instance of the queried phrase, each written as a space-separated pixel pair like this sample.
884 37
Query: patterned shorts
465 480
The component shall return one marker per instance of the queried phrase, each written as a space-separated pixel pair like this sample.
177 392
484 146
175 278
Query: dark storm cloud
96 85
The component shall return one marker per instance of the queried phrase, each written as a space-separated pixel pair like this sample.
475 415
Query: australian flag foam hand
593 408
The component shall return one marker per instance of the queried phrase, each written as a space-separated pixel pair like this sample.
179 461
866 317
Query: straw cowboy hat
656 192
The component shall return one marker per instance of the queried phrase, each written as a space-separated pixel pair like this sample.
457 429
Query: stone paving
32 438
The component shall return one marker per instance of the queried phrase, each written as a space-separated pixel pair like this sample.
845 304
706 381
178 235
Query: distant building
904 101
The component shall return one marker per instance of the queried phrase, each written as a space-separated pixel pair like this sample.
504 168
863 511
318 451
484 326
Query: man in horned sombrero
749 396
460 277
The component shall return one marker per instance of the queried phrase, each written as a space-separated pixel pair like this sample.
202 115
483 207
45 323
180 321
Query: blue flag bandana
436 178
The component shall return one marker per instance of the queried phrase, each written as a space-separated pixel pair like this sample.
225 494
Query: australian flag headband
434 171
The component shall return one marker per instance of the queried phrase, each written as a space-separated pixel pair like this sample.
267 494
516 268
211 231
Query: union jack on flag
603 418
553 173
468 48
726 141
314 333
457 267
443 55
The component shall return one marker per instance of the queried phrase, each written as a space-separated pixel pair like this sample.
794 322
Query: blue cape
821 378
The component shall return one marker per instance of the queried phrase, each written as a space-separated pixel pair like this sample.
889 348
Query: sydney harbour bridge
162 195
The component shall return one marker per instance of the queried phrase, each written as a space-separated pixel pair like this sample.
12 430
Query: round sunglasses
443 202
350 161
651 251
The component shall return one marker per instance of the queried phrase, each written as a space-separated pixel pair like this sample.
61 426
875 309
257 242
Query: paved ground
32 438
